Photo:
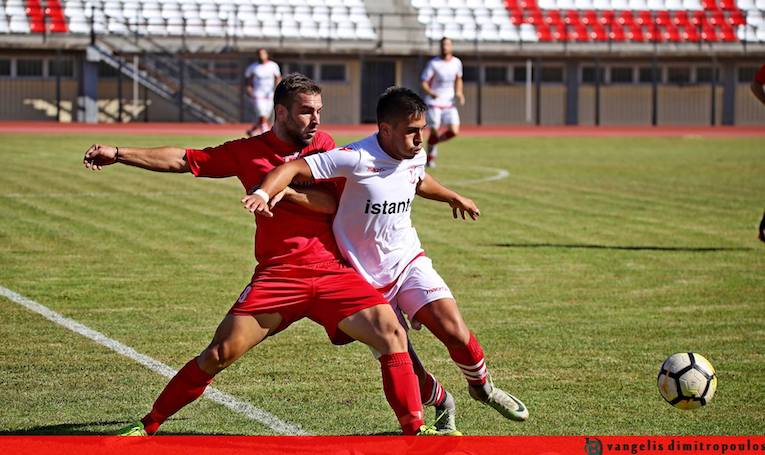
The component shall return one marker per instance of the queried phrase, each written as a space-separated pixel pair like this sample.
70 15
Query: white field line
497 174
229 401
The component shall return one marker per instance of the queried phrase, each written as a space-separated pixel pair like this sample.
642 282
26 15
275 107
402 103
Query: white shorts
263 106
418 285
438 116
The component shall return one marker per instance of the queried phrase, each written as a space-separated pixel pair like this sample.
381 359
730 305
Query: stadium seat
509 33
528 34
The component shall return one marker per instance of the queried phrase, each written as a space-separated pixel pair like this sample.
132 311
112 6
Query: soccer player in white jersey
442 84
380 176
261 79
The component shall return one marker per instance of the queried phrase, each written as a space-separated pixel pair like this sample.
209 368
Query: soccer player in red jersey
759 93
300 272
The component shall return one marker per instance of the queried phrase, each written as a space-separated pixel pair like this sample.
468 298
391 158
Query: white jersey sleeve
428 72
340 162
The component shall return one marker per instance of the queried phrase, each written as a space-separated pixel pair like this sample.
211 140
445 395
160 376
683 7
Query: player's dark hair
399 103
291 85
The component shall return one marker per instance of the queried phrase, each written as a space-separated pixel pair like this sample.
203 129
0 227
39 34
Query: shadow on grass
586 246
88 429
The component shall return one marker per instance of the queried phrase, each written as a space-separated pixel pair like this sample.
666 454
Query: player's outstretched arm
430 188
758 91
275 181
315 199
160 159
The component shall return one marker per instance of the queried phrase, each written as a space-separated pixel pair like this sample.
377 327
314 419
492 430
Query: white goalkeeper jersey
441 75
373 225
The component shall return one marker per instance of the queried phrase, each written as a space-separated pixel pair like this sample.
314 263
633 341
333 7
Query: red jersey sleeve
760 76
218 161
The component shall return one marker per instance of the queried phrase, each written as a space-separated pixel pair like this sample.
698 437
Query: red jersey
760 76
295 235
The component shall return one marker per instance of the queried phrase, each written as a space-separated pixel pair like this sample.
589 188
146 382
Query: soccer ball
687 380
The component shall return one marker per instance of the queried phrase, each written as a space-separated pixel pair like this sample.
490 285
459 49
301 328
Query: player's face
302 120
406 136
263 55
446 47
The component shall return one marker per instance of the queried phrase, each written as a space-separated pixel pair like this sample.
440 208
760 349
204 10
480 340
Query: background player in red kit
300 272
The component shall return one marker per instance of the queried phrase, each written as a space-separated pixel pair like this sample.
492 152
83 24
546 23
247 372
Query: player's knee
454 334
393 337
217 357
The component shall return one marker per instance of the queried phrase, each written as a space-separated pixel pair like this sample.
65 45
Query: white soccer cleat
507 405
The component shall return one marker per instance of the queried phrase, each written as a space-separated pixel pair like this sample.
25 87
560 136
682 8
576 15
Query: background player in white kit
373 229
442 84
261 80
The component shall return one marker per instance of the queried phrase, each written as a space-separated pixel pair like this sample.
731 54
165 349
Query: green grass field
593 261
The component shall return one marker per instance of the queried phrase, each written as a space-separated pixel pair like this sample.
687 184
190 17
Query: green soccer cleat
506 404
134 429
427 430
446 415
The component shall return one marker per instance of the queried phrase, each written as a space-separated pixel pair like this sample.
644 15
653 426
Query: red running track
207 129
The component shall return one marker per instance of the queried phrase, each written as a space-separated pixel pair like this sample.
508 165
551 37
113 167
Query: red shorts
326 293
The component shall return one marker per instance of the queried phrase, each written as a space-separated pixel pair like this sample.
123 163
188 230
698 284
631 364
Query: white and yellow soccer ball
687 380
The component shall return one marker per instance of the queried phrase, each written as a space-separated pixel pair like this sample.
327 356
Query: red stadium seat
529 4
607 17
579 33
590 18
516 16
553 17
662 18
698 18
708 33
728 5
652 33
727 33
511 4
560 33
625 18
534 17
571 18
681 19
634 33
691 33
644 18
737 18
671 34
617 33
598 33
717 18
709 4
543 33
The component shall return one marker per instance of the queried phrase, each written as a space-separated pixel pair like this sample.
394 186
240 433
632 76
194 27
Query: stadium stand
671 21
283 19
545 62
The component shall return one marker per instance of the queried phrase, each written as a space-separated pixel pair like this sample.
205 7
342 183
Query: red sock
402 390
432 393
470 361
186 386
433 139
446 135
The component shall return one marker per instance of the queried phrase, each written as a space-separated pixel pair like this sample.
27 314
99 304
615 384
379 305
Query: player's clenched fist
99 155
257 203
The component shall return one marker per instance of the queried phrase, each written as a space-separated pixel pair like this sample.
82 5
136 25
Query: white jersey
263 78
373 226
441 75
